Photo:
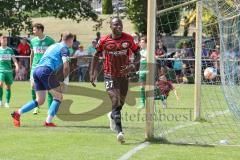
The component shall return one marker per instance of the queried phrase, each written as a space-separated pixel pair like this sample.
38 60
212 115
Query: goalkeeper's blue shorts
45 78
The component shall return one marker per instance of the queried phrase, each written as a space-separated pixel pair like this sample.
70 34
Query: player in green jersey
6 70
39 45
143 71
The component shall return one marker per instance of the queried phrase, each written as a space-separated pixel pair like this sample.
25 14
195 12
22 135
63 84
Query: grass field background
93 140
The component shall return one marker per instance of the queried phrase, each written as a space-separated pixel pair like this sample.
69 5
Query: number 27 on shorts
109 84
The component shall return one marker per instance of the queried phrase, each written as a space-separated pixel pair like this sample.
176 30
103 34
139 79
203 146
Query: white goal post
151 34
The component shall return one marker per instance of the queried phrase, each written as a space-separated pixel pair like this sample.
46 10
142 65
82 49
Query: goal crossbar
175 7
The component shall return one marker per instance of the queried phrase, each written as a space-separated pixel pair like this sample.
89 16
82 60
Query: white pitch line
171 130
134 150
210 116
214 114
130 153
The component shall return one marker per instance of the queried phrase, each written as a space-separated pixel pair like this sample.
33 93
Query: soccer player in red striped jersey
116 48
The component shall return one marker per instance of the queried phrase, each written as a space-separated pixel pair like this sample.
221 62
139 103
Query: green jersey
71 51
143 54
143 61
6 59
39 47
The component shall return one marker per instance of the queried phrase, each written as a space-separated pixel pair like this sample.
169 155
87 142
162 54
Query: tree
16 15
107 7
137 13
210 24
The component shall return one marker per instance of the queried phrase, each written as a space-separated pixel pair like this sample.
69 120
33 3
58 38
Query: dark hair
112 18
67 35
98 34
144 38
137 34
74 37
38 26
60 40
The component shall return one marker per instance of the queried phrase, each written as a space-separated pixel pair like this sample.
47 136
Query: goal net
219 121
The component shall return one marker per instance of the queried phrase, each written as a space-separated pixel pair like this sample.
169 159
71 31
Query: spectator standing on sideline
205 55
177 67
160 52
98 34
24 47
22 72
92 48
205 51
24 50
76 43
192 42
186 53
215 53
82 63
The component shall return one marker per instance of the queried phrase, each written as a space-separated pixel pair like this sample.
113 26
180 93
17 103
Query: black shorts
120 83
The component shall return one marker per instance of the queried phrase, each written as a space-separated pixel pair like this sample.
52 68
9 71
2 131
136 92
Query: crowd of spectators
181 60
78 52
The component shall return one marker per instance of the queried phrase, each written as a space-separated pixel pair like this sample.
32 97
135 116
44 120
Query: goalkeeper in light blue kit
46 79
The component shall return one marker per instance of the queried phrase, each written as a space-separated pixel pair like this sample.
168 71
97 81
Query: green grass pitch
93 140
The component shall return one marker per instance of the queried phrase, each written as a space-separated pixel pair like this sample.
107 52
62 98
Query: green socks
142 94
8 95
33 94
142 97
50 99
1 93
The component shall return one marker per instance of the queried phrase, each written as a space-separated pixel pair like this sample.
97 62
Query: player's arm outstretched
15 63
175 93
